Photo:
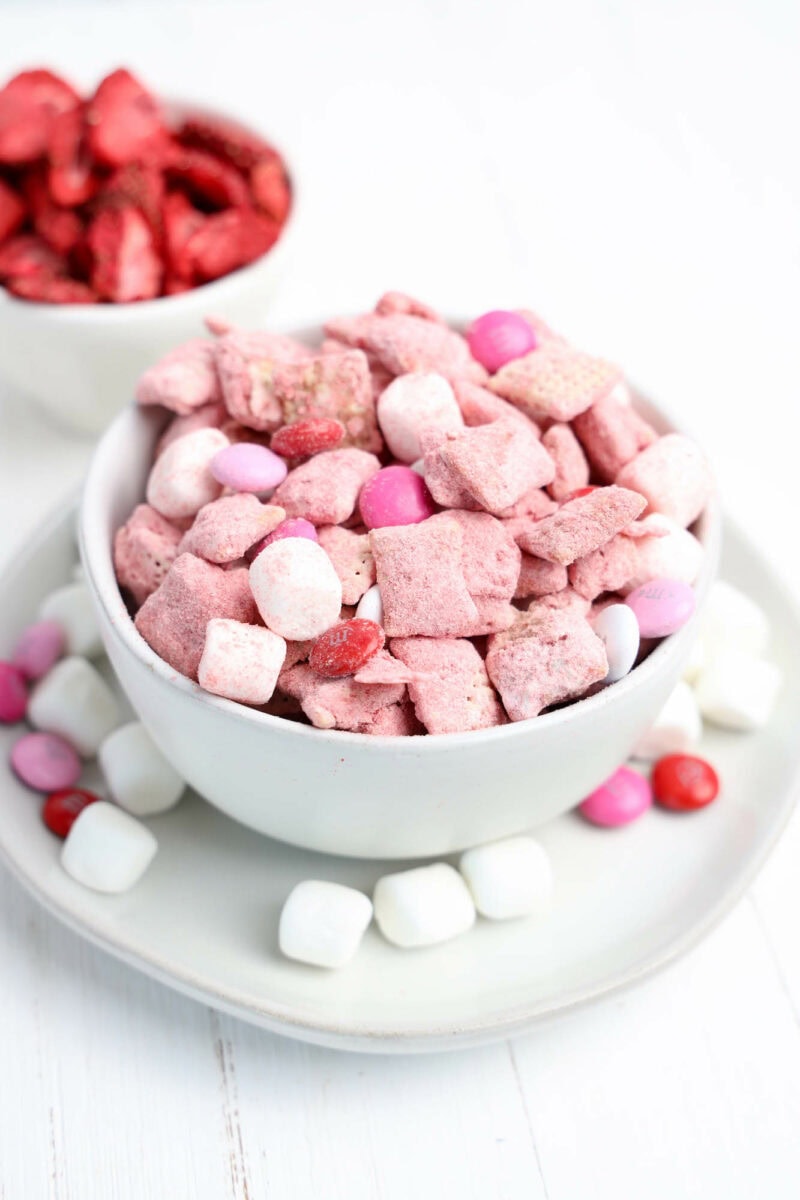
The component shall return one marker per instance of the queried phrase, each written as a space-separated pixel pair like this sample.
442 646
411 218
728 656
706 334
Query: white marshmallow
73 700
512 878
732 621
72 607
696 660
180 481
370 606
675 730
411 403
138 776
241 662
676 554
618 630
423 906
106 849
738 690
296 589
323 923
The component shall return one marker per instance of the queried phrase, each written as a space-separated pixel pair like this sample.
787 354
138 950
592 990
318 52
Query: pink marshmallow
225 529
352 560
325 489
240 662
184 380
412 403
180 481
210 416
555 384
581 525
144 550
673 476
457 695
572 469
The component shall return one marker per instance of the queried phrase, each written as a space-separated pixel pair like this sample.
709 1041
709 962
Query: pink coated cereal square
338 703
479 406
581 525
457 696
545 336
352 560
384 668
403 343
495 464
240 358
556 384
184 380
144 550
490 557
606 569
398 302
224 529
612 434
325 489
673 476
539 578
240 662
567 600
572 468
394 720
534 505
338 386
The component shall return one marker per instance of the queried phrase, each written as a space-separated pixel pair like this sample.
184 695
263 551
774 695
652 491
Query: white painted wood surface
631 171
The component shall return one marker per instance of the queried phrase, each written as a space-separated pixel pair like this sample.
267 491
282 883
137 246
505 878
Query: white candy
738 690
676 729
106 849
732 621
412 403
618 629
71 606
423 906
323 923
74 701
296 589
180 481
370 606
512 878
240 662
675 555
138 776
696 660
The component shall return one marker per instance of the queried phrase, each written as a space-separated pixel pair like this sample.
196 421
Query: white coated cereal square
510 878
74 701
106 849
323 923
72 607
137 774
423 906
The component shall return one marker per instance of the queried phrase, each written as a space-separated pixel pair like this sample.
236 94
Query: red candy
684 783
345 648
62 808
584 491
304 438
13 694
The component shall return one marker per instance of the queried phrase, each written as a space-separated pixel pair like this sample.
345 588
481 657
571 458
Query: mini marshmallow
296 589
414 402
106 849
738 690
673 476
138 776
72 607
241 662
677 728
74 701
733 621
423 906
323 923
180 481
511 878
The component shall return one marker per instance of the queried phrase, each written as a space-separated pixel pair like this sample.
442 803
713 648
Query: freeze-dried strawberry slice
181 219
12 211
70 179
29 104
60 227
226 139
174 285
229 240
207 178
126 265
29 255
270 188
137 185
125 122
51 289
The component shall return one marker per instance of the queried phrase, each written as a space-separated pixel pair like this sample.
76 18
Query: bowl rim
97 560
212 292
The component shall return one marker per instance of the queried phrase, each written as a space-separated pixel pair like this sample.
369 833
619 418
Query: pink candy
662 606
498 337
395 496
291 527
621 799
13 694
38 648
45 762
248 467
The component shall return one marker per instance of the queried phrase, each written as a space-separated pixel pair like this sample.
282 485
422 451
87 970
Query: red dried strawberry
29 255
226 139
208 178
124 121
51 289
270 188
126 265
229 240
60 227
12 211
174 286
70 179
181 219
140 185
29 104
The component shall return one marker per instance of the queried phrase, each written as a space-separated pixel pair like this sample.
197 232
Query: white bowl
347 793
81 361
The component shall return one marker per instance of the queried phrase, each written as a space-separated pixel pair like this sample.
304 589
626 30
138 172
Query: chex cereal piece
224 529
395 720
458 695
180 481
547 656
210 416
337 386
557 384
338 703
581 525
144 550
398 302
490 561
479 406
567 600
539 578
184 380
612 433
173 619
670 552
402 343
239 357
383 668
423 400
534 503
572 469
440 475
420 575
496 464
352 560
240 662
674 477
297 591
325 489
607 569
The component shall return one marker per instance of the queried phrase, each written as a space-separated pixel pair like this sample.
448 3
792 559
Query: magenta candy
13 694
621 799
39 647
662 606
498 337
395 496
248 467
45 762
291 527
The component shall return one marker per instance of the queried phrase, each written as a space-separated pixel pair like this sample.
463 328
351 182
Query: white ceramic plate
204 919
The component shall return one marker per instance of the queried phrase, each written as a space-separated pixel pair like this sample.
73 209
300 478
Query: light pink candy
45 762
662 606
395 496
248 467
498 337
40 645
291 527
13 694
623 797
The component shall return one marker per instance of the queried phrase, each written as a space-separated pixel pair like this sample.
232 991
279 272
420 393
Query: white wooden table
630 170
